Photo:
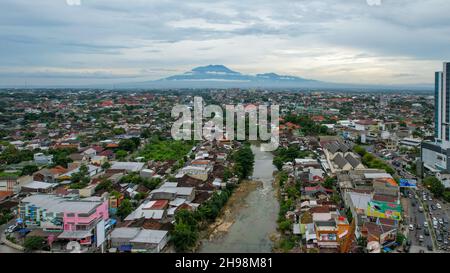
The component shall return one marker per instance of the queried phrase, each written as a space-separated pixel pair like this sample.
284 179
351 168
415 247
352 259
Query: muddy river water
256 220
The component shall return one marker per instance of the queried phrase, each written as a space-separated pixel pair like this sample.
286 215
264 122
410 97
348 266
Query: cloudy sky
109 41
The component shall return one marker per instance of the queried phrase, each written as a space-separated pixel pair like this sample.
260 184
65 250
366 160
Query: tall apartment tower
442 106
435 156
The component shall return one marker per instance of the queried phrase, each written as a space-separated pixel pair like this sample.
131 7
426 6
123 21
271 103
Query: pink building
77 219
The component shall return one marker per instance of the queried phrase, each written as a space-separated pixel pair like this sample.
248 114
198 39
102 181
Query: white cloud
330 40
73 2
373 2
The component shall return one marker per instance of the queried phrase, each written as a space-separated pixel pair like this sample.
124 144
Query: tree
244 159
359 150
187 217
127 145
34 243
400 238
278 162
435 186
329 182
121 154
183 237
125 208
29 169
106 165
284 225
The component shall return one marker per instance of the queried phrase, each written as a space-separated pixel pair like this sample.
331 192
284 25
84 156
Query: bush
34 243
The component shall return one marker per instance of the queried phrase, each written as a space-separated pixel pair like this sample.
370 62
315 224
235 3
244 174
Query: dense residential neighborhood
98 171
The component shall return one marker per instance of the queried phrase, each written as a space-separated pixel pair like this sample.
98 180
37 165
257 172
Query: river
256 221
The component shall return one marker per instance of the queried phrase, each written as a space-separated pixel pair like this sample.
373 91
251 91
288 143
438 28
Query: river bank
248 221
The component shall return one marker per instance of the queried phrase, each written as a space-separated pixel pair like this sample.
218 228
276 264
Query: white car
429 198
424 198
425 224
421 238
411 227
441 221
10 229
438 206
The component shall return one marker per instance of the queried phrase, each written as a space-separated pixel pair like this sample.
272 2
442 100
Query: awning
125 248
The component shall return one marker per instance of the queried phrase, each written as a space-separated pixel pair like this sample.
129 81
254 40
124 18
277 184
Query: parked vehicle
425 224
426 232
11 229
421 238
430 247
438 206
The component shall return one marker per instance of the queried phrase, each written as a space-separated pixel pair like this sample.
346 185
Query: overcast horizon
85 42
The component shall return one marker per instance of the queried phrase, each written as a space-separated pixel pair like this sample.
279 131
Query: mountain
220 76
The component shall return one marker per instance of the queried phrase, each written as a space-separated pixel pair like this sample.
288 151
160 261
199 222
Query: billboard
408 183
100 232
384 210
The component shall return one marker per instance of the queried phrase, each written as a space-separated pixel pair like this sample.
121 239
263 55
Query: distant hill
220 76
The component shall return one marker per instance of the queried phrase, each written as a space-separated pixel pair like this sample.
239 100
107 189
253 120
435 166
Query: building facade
435 156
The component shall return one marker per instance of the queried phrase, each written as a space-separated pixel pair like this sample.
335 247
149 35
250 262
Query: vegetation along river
248 226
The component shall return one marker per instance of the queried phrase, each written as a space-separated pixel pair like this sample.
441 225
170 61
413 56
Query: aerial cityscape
121 133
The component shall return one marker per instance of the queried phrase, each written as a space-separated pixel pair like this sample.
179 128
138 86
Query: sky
72 42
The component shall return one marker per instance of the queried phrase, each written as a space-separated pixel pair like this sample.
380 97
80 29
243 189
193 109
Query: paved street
5 248
418 219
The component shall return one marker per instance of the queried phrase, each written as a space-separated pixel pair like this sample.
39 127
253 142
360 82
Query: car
439 238
418 226
433 207
445 221
425 224
411 227
413 204
424 198
11 229
430 247
429 198
438 206
441 221
420 209
421 238
426 232
445 242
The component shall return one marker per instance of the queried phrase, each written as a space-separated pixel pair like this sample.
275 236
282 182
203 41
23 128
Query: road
5 248
441 234
415 217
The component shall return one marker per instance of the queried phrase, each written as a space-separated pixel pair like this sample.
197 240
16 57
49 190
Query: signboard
408 183
100 233
384 210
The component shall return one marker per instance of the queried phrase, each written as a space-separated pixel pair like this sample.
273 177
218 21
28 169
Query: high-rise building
442 106
436 155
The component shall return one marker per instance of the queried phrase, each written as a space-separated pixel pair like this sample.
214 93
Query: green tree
29 169
34 243
125 208
244 159
183 237
121 154
127 145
